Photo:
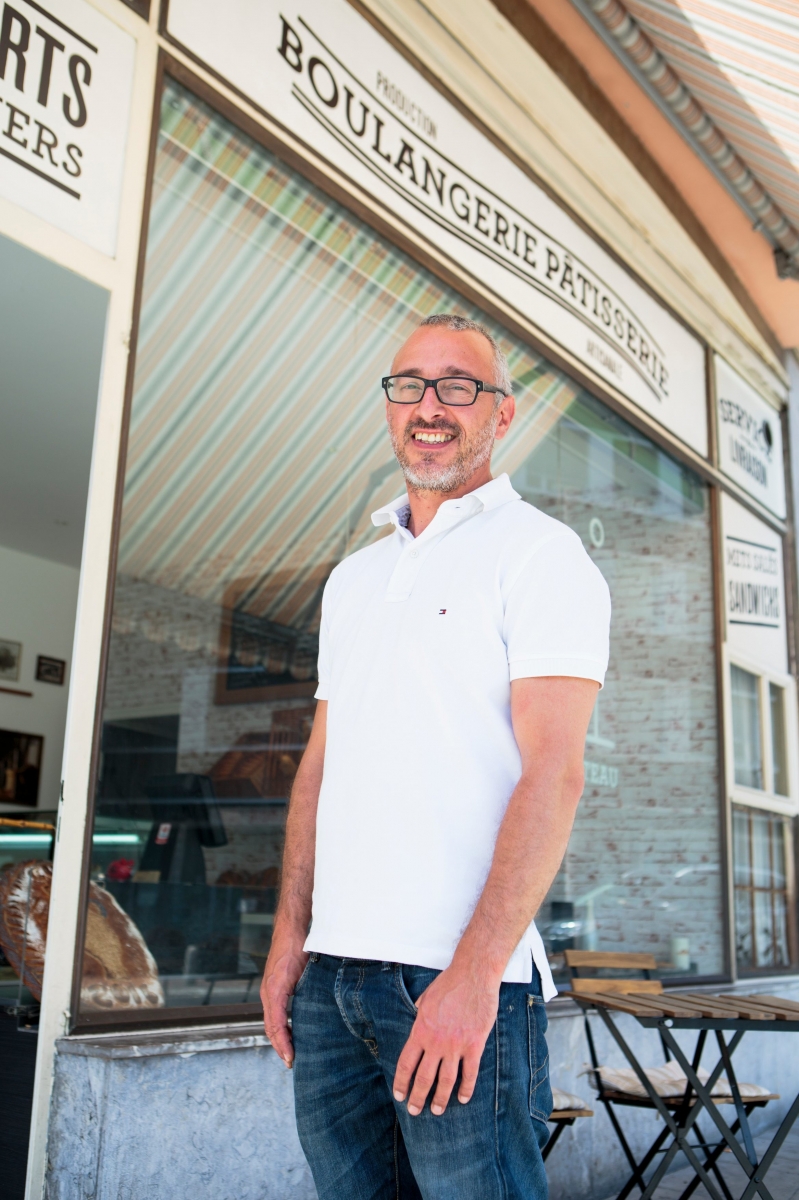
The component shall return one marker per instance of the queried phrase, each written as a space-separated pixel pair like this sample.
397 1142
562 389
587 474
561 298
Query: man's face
441 447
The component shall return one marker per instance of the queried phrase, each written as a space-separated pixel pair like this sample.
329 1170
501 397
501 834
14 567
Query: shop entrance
52 324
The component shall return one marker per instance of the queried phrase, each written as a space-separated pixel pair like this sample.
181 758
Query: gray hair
462 325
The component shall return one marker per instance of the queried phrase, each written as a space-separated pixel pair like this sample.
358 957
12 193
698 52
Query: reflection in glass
251 471
779 747
633 877
745 690
762 898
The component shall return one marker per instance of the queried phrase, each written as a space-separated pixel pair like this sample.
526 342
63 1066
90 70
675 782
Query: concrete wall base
210 1116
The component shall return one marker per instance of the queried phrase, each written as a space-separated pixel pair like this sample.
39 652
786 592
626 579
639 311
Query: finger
471 1065
280 1037
406 1065
447 1074
276 1026
425 1078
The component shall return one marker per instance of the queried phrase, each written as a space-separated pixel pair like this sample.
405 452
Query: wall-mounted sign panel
66 73
754 589
326 74
750 439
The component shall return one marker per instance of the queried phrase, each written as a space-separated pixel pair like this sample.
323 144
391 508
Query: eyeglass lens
408 389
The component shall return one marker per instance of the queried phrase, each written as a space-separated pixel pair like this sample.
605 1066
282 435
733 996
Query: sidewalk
782 1180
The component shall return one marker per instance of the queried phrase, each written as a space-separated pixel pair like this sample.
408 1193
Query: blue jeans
351 1018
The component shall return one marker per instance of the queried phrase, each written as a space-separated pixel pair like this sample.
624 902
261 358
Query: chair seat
669 1082
674 1102
565 1104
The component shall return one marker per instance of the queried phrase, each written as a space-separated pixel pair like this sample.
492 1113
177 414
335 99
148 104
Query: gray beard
430 477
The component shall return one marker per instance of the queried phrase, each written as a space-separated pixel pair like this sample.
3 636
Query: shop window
256 452
764 902
761 707
746 721
779 740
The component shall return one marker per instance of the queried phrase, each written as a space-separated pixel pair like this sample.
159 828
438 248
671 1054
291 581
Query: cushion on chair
669 1081
564 1101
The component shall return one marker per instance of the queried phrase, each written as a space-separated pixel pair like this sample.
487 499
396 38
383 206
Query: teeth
432 437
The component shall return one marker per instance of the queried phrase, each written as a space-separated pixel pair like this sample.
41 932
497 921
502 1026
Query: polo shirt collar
491 495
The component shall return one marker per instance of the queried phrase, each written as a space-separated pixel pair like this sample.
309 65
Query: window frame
213 90
787 823
764 798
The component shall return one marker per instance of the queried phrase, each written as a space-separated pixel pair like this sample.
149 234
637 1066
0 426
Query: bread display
118 969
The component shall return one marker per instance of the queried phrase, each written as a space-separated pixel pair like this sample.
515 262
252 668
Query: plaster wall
212 1118
38 599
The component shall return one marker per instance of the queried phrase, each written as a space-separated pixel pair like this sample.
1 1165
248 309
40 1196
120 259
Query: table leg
736 1095
713 1156
678 1133
756 1182
703 1094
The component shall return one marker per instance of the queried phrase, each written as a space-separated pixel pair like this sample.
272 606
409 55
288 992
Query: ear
506 413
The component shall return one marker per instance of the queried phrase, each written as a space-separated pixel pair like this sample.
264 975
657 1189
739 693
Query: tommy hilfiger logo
441 612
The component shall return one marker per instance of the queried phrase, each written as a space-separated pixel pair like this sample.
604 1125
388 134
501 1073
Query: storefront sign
750 439
753 587
65 83
327 75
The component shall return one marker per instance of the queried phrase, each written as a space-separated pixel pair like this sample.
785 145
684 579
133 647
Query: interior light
25 840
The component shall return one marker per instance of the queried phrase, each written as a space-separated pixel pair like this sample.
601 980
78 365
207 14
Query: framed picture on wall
10 657
50 670
20 767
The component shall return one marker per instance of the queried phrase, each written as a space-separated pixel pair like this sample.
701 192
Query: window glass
779 748
763 904
745 689
642 868
257 451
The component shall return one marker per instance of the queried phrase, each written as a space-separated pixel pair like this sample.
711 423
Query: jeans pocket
313 959
540 1098
418 980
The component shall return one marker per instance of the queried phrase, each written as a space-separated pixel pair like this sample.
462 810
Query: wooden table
706 1013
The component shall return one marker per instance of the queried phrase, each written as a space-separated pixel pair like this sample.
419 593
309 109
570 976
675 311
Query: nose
429 399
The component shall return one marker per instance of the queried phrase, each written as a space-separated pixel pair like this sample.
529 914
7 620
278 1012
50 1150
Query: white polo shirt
419 641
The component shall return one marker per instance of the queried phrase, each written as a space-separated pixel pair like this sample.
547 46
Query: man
459 663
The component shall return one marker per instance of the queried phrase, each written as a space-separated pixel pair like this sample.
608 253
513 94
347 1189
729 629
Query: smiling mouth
432 439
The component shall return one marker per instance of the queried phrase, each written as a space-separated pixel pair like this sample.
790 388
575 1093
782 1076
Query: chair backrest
583 965
581 961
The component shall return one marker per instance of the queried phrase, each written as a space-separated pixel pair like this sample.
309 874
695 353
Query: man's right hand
284 966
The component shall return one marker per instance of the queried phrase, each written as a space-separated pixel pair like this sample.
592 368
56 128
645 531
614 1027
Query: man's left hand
455 1015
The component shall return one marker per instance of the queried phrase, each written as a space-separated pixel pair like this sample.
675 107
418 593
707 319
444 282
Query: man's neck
425 504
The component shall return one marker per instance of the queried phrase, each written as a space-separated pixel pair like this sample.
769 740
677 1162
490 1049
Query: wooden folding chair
580 963
560 1119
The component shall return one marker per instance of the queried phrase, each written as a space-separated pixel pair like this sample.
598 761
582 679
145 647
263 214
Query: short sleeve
557 614
323 663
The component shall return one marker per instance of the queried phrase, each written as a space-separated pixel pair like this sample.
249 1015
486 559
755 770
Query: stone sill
188 1040
181 1041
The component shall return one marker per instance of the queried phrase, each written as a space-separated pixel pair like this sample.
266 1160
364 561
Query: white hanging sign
327 75
754 588
66 73
750 439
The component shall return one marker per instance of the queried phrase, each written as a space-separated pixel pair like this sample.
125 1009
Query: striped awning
740 59
258 446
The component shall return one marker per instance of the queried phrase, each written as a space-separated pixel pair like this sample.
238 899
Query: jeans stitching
538 1072
340 1004
503 1187
396 1159
301 979
403 991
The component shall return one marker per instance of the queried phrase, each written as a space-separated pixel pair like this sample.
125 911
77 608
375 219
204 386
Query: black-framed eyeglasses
450 389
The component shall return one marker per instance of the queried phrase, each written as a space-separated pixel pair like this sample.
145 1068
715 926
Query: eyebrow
447 372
